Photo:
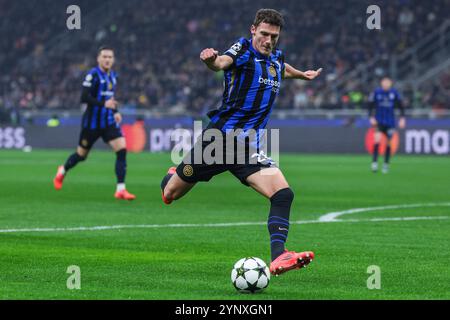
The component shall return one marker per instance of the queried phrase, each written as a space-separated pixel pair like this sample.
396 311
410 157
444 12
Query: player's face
106 59
386 84
265 37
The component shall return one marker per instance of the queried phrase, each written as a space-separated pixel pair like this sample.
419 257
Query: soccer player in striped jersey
253 70
101 119
383 101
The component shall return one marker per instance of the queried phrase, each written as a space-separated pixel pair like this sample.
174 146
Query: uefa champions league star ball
250 275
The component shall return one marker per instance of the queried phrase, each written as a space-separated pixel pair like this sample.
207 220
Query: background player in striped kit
101 119
253 71
384 101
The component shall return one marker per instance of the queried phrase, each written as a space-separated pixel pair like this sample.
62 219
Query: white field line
209 225
329 217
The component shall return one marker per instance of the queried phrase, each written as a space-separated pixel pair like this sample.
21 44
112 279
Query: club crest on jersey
272 71
110 86
188 171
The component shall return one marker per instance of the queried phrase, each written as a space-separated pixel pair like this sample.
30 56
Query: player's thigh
86 141
268 181
177 187
118 144
112 135
377 136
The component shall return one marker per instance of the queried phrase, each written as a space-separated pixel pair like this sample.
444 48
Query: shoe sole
120 198
301 263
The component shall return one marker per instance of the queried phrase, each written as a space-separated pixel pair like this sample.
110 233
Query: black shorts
89 136
241 165
388 131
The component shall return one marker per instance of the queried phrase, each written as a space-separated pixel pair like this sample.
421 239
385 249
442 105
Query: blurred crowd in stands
157 45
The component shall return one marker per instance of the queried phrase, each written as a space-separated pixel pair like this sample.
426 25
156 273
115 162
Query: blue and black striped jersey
385 103
251 85
98 86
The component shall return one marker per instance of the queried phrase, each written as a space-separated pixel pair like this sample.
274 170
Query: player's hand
312 74
373 122
111 103
402 123
117 117
209 55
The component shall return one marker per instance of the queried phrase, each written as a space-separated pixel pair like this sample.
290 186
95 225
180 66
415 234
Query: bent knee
285 195
83 153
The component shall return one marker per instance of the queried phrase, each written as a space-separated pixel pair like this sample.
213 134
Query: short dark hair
104 48
269 16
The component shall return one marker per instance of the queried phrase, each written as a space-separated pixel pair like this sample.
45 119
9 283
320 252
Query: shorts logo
84 143
272 71
188 171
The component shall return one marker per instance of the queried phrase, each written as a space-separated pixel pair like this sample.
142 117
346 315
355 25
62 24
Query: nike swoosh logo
259 60
282 229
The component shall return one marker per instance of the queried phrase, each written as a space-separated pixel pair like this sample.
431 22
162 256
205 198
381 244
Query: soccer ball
250 275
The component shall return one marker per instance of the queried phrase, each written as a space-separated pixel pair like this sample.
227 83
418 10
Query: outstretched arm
291 73
213 61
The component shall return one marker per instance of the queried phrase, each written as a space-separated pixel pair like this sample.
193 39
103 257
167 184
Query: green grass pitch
195 262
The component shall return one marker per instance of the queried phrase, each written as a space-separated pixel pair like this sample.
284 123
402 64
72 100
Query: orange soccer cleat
172 170
124 195
59 178
166 201
290 260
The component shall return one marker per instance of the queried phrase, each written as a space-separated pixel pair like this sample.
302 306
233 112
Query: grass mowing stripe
209 225
195 262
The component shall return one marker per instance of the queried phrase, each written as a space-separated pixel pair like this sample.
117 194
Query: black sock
165 180
278 223
72 161
375 152
121 165
387 156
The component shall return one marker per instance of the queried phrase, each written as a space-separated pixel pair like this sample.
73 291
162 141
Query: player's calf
278 222
121 169
61 172
72 161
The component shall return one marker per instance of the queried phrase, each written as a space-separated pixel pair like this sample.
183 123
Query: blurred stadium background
161 77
